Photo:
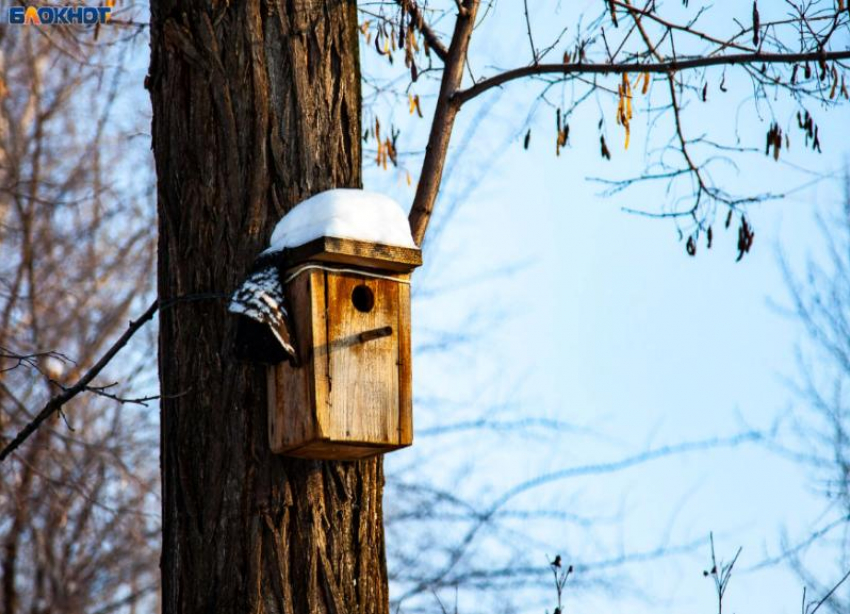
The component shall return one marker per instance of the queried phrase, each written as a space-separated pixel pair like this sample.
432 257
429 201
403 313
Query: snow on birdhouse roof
344 214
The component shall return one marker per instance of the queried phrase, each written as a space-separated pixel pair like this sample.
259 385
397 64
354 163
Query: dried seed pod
527 140
605 152
619 105
563 135
691 246
745 238
777 143
561 138
756 24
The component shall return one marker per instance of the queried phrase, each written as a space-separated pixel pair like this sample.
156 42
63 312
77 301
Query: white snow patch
344 214
53 367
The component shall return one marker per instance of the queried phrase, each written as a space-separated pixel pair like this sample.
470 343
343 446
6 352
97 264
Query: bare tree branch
827 596
674 65
444 118
55 404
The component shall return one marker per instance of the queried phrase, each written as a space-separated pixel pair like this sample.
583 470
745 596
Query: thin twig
829 594
534 56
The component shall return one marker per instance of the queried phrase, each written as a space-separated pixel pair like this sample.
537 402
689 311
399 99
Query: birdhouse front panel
350 397
363 357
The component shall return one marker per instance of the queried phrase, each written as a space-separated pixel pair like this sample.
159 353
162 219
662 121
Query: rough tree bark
256 106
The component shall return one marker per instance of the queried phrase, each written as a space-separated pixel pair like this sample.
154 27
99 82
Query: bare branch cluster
798 50
820 300
78 523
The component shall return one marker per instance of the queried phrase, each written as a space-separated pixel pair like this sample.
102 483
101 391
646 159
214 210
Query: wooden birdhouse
331 317
351 395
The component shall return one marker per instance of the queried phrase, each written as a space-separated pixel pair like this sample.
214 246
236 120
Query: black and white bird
264 333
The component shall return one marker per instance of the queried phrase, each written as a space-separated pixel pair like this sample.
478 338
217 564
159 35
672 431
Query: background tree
78 507
255 108
821 301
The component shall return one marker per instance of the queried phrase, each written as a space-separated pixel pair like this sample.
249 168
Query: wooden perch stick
441 127
378 333
55 404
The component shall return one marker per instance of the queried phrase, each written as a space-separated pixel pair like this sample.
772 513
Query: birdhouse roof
347 226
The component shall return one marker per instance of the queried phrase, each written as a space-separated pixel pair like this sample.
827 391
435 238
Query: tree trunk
256 106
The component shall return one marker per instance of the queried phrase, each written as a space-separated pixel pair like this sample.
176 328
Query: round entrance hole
363 298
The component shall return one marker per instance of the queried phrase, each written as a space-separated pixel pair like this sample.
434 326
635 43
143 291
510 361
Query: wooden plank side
356 253
363 384
405 367
292 406
319 359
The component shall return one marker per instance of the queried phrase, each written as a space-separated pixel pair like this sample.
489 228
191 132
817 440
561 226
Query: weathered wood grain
363 395
291 392
405 367
357 401
357 253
